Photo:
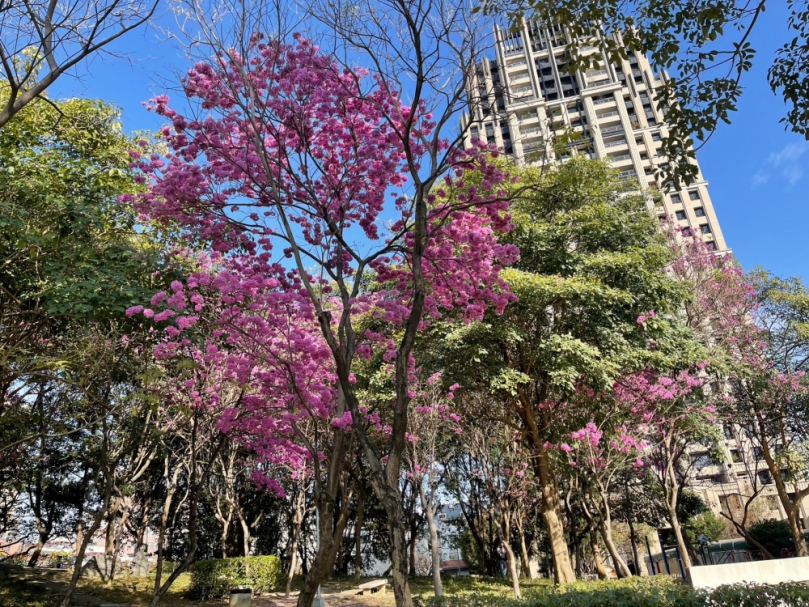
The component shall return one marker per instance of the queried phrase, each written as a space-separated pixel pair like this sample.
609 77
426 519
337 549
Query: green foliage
707 524
659 591
67 245
214 579
744 595
592 260
774 535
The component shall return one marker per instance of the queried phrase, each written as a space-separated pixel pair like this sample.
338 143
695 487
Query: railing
620 158
613 144
603 101
607 114
612 129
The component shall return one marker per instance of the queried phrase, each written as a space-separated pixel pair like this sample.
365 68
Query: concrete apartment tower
528 96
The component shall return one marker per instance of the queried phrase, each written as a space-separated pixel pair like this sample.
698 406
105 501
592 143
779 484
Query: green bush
773 535
740 595
215 578
658 591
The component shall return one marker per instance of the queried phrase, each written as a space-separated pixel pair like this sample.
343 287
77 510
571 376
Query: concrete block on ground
775 571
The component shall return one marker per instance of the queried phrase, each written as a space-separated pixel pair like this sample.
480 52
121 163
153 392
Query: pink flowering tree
325 189
674 415
599 453
434 436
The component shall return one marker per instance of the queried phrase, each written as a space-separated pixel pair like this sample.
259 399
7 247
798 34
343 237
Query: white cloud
790 164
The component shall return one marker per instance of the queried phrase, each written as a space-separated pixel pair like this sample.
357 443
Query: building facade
527 98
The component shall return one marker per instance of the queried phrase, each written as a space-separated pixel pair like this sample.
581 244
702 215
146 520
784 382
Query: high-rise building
528 99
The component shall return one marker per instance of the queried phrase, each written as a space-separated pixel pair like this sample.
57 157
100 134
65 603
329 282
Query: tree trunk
504 531
526 566
401 587
435 543
297 520
600 569
621 568
117 541
633 539
678 534
798 538
358 534
83 547
563 571
318 569
164 519
42 538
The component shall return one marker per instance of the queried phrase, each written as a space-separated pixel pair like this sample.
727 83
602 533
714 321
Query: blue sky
758 172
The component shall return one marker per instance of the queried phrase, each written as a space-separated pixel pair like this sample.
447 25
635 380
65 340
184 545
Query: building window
662 218
735 456
728 432
676 198
765 477
693 195
680 215
699 212
706 229
711 245
656 137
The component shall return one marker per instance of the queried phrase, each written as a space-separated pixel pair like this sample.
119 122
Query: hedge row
215 578
639 592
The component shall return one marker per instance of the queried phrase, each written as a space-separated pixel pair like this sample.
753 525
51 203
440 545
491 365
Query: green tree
773 535
69 251
592 261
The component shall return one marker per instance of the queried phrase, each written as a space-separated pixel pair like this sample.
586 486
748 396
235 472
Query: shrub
773 535
659 591
214 579
740 595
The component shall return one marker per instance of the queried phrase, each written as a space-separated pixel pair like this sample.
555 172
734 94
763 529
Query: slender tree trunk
140 533
633 539
579 552
505 536
678 533
435 542
526 565
71 587
164 519
297 520
195 483
621 568
358 534
600 569
117 541
42 538
793 518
